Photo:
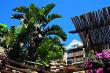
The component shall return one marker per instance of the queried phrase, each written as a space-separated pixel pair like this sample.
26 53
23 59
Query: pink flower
99 70
104 54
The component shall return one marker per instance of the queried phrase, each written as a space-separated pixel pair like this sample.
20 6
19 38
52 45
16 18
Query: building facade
75 52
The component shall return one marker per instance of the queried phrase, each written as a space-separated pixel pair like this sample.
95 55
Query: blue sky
67 8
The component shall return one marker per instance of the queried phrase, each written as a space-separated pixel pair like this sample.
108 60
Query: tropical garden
35 42
34 39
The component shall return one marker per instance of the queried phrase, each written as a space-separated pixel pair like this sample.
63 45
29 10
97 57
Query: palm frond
56 40
34 8
3 26
51 17
34 11
21 9
12 30
55 30
18 29
3 29
17 16
45 10
9 37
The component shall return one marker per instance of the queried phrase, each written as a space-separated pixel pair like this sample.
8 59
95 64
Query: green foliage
3 26
52 17
55 30
7 36
33 40
3 31
50 49
47 9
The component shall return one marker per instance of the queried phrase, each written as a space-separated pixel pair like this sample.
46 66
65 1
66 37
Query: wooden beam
15 68
25 66
4 71
82 30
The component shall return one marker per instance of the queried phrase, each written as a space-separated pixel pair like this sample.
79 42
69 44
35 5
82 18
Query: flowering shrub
99 70
104 54
89 71
88 63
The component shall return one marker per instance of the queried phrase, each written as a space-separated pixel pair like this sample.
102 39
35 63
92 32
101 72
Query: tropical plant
50 49
7 35
3 31
35 34
8 39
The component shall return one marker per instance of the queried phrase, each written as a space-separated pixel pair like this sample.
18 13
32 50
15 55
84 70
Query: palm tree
34 27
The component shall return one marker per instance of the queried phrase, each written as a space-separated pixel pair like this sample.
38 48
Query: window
75 46
70 55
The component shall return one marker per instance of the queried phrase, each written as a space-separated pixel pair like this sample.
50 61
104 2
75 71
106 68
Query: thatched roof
94 28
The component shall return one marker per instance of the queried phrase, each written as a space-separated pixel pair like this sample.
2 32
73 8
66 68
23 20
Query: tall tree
35 29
